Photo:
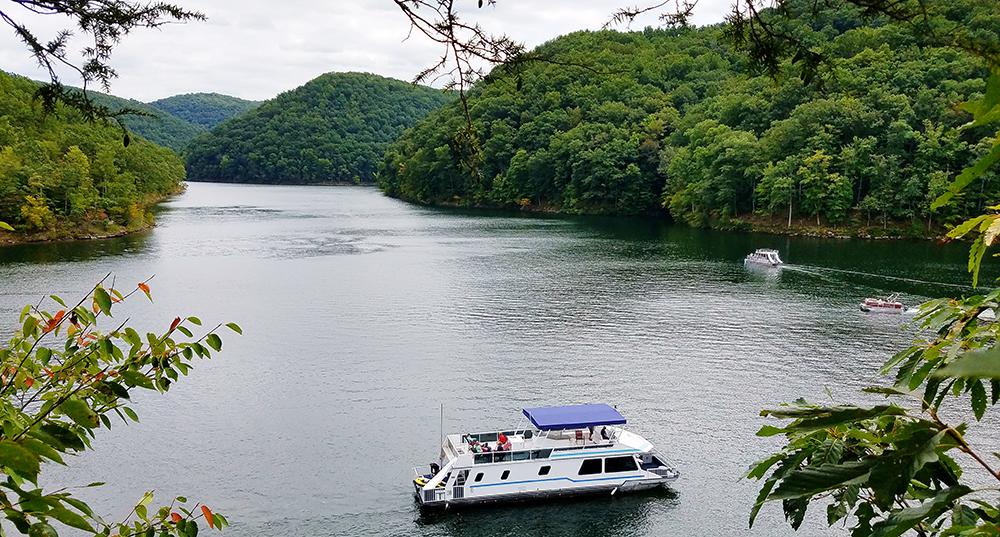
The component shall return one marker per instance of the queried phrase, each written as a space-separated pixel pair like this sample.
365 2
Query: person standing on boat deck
591 430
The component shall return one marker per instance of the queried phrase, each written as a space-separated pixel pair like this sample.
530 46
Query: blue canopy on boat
573 416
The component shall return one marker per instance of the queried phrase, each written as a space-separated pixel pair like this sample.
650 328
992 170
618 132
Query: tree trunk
789 211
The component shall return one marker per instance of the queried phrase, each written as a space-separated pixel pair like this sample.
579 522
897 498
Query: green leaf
769 430
214 341
43 450
30 323
968 175
976 364
978 399
902 520
70 518
80 412
965 227
65 437
135 378
806 482
194 320
103 300
18 458
235 328
6 227
765 490
42 529
811 419
757 471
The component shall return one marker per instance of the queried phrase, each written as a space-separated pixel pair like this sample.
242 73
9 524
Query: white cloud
256 49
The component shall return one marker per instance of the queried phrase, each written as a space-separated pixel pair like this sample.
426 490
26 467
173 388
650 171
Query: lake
363 315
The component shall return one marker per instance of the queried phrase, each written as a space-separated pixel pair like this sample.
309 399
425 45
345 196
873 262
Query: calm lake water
363 315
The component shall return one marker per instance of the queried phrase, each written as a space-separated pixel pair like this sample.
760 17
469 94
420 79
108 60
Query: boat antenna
441 426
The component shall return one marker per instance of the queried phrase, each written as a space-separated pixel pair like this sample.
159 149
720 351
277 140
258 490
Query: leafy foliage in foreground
204 109
59 169
333 128
676 119
902 468
67 374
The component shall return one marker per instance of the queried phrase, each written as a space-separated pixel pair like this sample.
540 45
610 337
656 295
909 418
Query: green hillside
333 128
61 176
673 120
204 109
157 126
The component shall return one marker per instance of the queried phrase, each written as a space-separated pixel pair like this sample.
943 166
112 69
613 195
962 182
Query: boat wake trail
818 272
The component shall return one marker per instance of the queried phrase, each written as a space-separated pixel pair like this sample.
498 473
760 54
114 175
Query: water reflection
74 251
624 515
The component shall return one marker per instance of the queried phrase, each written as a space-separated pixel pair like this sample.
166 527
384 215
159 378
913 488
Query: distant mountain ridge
333 128
204 109
157 126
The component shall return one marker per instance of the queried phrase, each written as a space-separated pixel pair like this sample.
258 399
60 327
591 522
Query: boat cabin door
458 490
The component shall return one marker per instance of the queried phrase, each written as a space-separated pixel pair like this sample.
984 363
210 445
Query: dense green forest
61 176
629 123
333 128
153 124
204 109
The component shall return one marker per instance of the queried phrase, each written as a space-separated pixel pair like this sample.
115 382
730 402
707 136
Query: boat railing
493 436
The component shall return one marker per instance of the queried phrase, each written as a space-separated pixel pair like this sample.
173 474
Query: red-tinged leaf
174 324
208 516
176 517
145 289
29 382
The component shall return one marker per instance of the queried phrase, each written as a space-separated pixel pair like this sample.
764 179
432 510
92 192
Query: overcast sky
255 49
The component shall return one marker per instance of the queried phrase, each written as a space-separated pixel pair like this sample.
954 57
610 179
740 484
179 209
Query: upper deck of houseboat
555 435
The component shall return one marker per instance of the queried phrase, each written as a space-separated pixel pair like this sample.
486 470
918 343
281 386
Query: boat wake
819 272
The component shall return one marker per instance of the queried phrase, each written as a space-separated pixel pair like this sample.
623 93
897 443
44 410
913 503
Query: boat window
521 455
590 467
462 476
483 458
501 456
540 453
619 464
488 437
504 475
479 477
544 470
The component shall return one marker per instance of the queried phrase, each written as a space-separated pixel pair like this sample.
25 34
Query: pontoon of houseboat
889 304
764 256
570 450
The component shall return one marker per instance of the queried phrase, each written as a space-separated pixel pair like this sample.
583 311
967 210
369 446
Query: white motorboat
764 256
574 449
889 304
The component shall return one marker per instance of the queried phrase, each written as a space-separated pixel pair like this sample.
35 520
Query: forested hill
204 109
61 176
333 128
671 120
155 125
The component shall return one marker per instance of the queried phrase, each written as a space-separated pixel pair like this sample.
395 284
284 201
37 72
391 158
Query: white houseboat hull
546 463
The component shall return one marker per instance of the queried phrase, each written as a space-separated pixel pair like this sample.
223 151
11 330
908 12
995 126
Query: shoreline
88 231
747 224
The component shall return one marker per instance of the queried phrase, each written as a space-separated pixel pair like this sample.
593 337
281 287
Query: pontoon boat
889 304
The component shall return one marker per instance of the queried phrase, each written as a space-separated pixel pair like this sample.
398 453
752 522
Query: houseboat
764 256
889 304
576 449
